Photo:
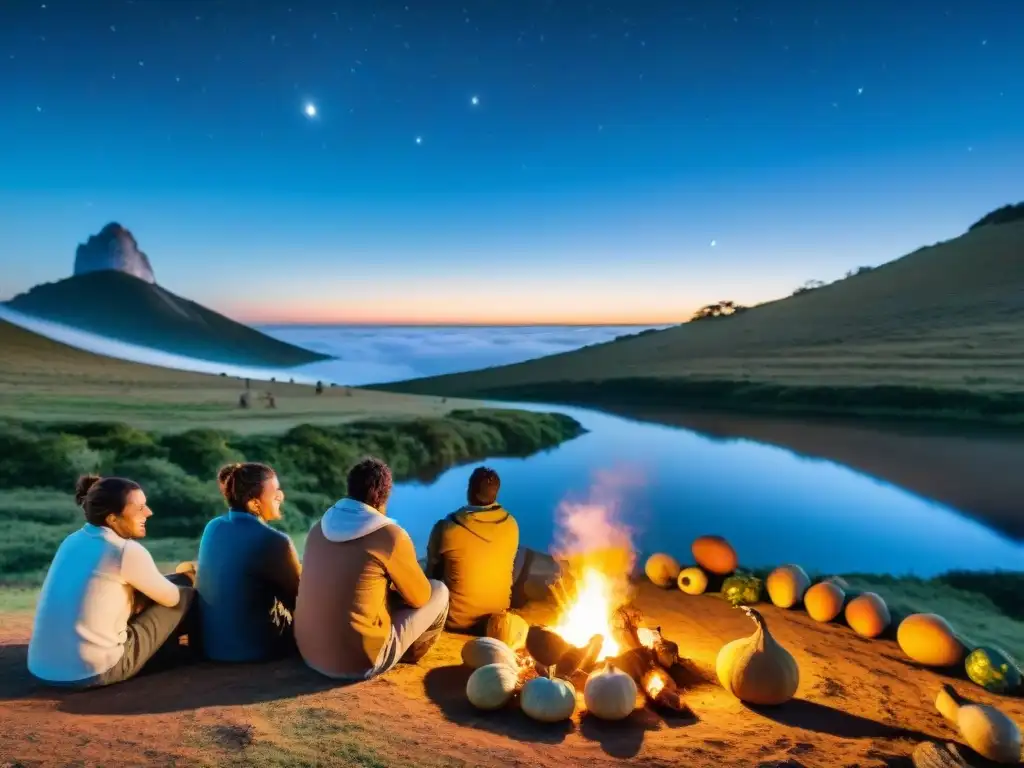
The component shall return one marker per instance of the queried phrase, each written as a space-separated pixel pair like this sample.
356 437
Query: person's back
473 551
245 569
359 568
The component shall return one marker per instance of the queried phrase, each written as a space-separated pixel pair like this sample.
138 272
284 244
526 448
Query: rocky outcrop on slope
113 248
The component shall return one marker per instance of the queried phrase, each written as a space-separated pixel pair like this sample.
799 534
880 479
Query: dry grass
945 319
43 380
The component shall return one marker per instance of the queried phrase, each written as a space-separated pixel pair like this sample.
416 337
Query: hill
937 333
121 306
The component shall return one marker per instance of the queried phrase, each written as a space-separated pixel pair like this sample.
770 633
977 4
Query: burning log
662 691
582 659
546 647
666 651
626 626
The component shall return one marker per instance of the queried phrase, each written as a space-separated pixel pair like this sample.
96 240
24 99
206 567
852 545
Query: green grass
40 461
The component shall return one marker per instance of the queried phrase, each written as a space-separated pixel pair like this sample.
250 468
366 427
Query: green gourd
993 669
742 589
548 700
481 651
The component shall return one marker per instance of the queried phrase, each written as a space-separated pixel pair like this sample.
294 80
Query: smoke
592 532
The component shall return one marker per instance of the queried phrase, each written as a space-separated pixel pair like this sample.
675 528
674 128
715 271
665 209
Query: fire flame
598 554
654 682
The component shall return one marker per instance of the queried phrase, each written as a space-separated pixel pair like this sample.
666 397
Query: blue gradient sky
610 146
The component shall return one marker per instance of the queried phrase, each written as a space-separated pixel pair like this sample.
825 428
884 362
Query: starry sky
478 161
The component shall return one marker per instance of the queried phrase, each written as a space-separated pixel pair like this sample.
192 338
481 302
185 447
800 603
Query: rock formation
113 248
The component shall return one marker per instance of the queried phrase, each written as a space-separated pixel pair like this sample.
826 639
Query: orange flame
598 552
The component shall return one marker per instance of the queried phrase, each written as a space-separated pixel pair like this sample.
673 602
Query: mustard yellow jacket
473 550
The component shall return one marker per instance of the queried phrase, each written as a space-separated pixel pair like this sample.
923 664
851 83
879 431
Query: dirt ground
860 703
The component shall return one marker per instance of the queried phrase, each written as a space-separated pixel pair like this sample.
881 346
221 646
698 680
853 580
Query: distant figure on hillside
364 603
271 402
473 551
105 611
248 572
319 387
243 400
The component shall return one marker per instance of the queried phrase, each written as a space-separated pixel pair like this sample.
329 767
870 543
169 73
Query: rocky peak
113 248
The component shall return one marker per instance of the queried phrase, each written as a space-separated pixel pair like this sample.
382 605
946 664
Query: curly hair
241 483
102 496
370 482
483 487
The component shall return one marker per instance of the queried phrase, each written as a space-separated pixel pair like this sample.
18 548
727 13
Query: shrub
201 452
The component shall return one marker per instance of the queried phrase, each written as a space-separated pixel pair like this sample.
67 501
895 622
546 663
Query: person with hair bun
247 571
105 611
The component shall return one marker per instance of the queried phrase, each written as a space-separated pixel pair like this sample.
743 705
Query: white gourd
481 651
756 669
491 686
610 693
986 730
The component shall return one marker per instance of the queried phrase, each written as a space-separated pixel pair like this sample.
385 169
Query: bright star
475 100
860 91
419 139
310 109
714 243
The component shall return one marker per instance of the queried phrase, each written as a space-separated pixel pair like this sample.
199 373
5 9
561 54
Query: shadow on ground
821 718
178 690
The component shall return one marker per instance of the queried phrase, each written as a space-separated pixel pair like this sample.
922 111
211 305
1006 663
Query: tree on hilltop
719 309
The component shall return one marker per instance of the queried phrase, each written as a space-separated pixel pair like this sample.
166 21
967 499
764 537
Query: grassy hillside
120 306
937 333
44 380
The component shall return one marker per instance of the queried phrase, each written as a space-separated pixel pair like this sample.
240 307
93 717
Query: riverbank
859 702
39 462
973 471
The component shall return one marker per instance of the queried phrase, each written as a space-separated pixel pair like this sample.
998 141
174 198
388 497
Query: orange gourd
824 601
714 554
868 615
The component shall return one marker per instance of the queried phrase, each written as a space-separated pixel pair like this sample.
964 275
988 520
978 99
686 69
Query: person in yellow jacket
473 551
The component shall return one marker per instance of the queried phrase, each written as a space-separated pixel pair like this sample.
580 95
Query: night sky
502 161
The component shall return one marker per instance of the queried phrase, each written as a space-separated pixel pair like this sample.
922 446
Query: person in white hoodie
105 611
364 603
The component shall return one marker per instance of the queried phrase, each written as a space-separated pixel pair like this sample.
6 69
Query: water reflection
774 505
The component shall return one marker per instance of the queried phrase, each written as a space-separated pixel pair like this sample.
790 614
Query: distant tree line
718 309
1003 215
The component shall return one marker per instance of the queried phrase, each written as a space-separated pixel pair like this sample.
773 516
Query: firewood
625 623
545 646
579 658
662 691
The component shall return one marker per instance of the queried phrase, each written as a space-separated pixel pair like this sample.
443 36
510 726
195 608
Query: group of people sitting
356 605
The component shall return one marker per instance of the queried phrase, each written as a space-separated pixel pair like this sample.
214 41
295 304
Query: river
668 485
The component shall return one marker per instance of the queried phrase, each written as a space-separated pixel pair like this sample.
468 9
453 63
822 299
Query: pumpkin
868 615
929 639
986 730
714 554
508 627
481 651
548 699
742 589
662 569
610 693
756 669
824 601
692 581
546 647
786 585
993 669
491 686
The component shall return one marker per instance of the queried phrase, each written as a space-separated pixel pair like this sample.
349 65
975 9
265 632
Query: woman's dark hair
102 496
483 487
369 481
241 483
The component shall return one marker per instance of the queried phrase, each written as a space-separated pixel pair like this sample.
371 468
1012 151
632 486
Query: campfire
596 621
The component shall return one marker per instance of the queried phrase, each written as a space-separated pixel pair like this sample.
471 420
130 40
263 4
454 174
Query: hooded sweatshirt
354 557
473 550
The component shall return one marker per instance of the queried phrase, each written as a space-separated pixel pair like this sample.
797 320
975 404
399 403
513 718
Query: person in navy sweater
247 571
